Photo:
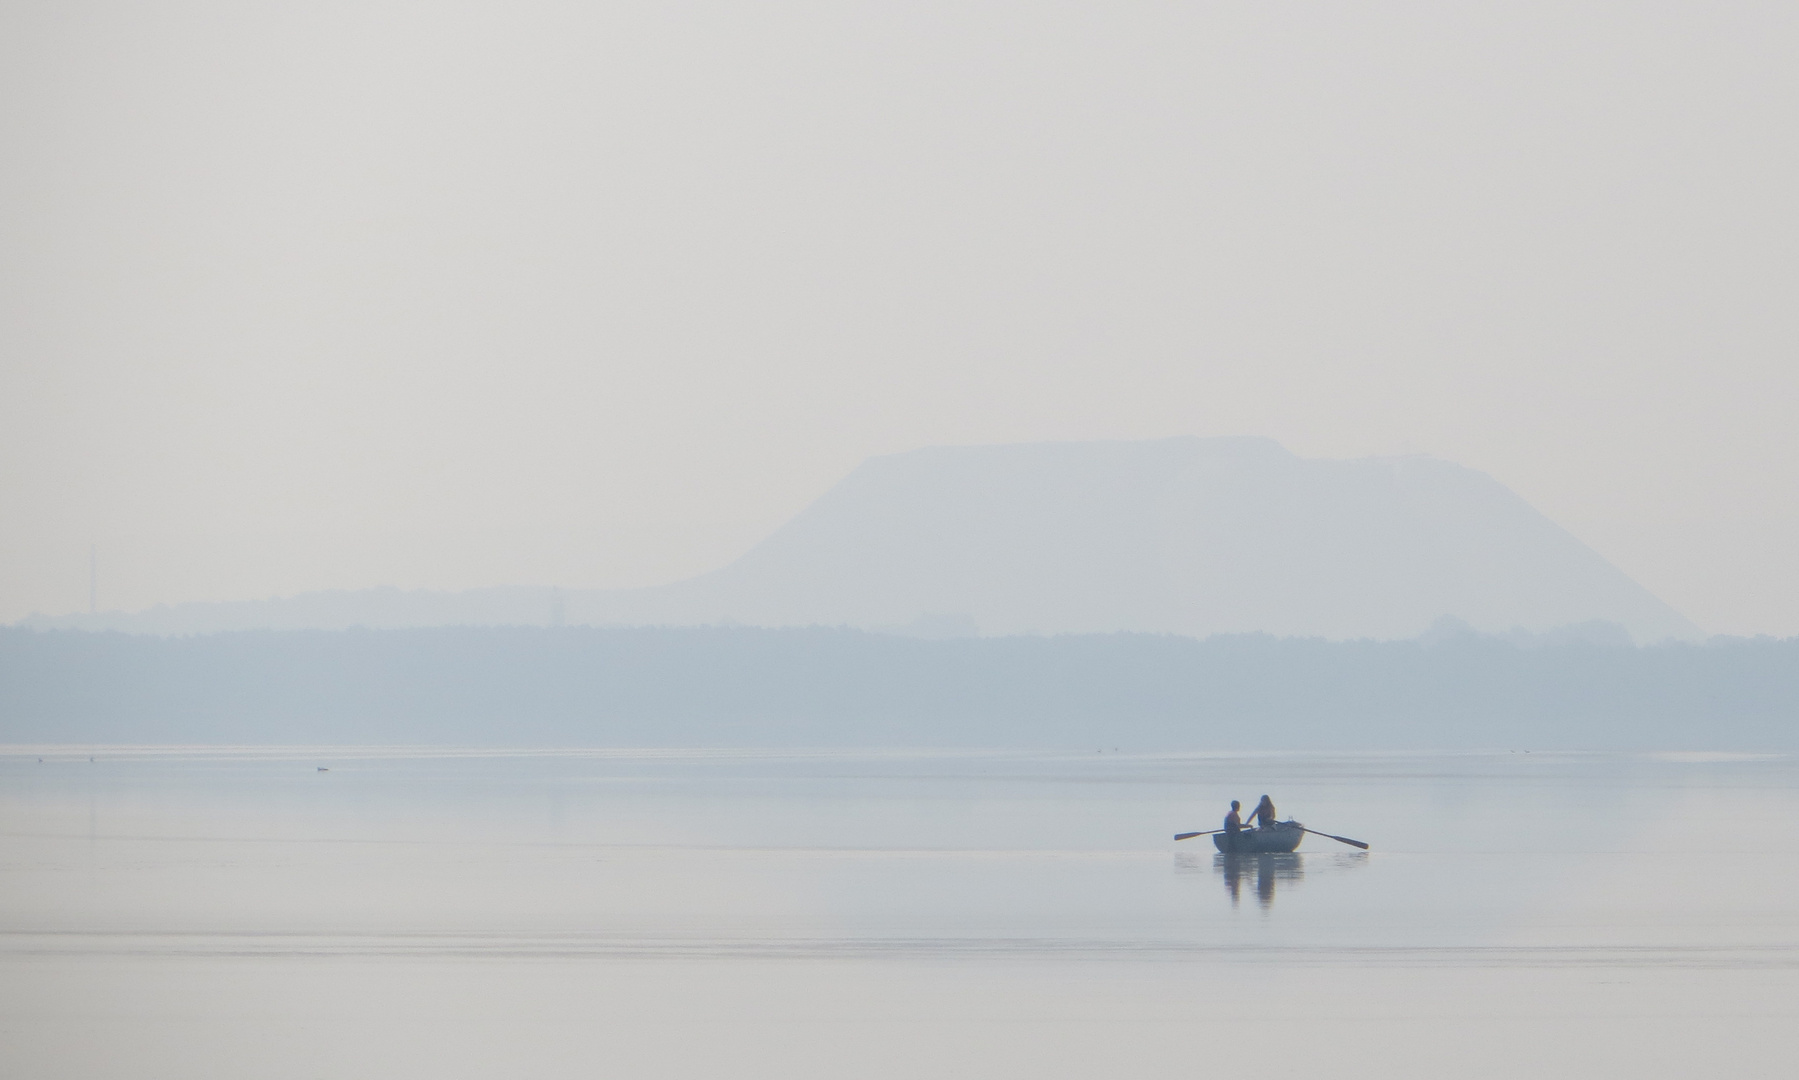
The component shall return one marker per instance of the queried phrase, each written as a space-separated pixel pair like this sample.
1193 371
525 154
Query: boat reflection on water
1267 870
1266 873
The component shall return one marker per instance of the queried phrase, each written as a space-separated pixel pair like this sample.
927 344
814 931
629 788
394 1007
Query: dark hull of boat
1281 837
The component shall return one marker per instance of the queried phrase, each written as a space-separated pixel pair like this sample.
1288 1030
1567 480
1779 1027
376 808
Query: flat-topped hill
1186 536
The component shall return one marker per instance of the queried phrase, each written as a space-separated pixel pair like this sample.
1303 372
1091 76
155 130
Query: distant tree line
721 686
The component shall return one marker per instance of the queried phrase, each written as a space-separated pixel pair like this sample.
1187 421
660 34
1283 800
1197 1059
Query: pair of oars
1314 832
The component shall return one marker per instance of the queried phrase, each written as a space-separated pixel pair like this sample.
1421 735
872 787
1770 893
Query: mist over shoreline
733 686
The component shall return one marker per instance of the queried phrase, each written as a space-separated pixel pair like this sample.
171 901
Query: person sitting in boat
1263 814
1232 823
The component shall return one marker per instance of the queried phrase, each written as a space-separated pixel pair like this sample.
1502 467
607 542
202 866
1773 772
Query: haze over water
236 912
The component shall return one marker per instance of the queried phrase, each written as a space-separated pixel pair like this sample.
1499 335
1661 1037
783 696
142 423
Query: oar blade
1338 839
1186 835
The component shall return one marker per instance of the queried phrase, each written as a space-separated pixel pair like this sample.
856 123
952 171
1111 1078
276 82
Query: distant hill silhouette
337 609
1186 536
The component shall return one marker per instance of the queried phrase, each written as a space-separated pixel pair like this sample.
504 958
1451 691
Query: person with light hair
1263 814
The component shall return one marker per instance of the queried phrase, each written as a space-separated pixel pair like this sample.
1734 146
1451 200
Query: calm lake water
230 912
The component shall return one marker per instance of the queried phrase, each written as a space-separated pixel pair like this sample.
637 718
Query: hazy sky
448 295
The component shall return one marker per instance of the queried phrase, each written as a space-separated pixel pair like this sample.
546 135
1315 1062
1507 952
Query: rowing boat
1282 836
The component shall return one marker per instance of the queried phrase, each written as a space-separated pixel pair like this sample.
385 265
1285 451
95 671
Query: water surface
393 912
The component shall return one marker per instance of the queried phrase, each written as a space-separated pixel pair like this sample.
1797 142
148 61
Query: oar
1191 835
1338 839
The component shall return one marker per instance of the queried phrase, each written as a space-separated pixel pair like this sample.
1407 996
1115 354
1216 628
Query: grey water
338 912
